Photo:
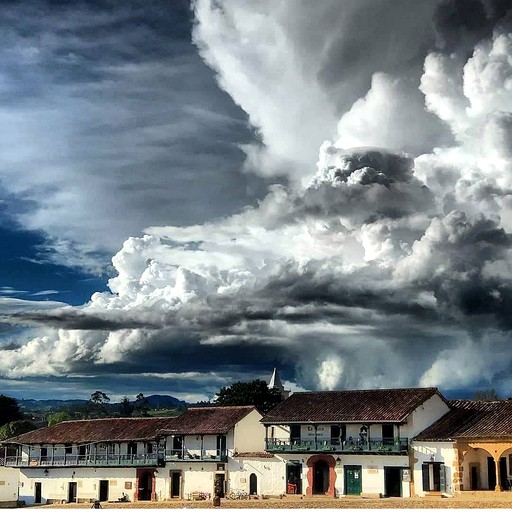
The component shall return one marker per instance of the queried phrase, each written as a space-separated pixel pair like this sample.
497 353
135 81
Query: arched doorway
253 484
321 475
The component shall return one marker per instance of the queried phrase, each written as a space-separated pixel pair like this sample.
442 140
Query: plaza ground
474 500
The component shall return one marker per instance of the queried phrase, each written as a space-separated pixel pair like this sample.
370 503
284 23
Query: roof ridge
430 388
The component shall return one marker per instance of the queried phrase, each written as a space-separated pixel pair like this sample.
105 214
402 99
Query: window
149 447
132 448
82 450
68 449
433 476
388 433
44 453
295 433
338 434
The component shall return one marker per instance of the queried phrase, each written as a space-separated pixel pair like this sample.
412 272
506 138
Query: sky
194 193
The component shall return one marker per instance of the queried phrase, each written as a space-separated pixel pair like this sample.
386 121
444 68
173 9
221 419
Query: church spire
275 383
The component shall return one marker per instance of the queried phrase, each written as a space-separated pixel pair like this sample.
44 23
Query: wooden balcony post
202 446
316 436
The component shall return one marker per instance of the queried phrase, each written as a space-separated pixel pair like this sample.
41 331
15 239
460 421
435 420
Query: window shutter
442 478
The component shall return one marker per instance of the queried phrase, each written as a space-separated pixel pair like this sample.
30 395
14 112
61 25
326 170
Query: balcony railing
372 445
196 455
147 459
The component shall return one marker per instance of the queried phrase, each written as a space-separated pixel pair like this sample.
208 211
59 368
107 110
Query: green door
353 481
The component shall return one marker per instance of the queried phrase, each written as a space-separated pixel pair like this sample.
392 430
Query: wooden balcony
196 455
397 446
147 459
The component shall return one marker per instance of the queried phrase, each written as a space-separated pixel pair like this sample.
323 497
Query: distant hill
164 402
154 401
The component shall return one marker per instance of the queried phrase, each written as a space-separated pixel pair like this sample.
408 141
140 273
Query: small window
44 452
68 449
149 447
132 448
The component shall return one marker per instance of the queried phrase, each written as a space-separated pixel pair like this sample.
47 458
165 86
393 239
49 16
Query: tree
9 410
255 393
97 404
142 406
487 395
16 428
57 417
125 408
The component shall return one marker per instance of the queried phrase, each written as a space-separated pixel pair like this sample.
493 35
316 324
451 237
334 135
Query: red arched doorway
321 475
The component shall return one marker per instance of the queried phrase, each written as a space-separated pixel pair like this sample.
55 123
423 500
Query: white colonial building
140 458
388 442
350 442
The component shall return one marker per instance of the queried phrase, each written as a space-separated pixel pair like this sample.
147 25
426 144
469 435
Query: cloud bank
388 265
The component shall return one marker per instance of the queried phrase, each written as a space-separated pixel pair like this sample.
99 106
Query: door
177 446
175 484
72 492
473 477
320 477
293 478
392 482
145 485
221 447
219 485
353 482
37 492
103 490
253 484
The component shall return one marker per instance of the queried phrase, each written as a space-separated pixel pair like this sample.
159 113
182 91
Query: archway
321 475
253 484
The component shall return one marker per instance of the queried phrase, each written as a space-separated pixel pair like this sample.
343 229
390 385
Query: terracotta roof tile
209 420
471 419
199 420
349 406
98 430
254 455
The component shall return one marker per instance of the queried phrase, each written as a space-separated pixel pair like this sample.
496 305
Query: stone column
498 474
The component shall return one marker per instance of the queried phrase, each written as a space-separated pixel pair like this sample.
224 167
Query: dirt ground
490 501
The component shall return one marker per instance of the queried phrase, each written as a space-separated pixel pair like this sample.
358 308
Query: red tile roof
381 405
208 420
471 419
200 420
99 430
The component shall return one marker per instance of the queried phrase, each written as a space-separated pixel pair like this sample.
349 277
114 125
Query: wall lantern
46 472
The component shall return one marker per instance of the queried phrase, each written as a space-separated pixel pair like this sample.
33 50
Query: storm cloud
387 264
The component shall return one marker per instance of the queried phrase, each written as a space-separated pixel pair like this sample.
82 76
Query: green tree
255 393
9 410
16 428
97 404
125 408
57 417
142 406
487 395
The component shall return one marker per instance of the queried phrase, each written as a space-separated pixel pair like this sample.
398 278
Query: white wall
441 452
55 484
9 478
249 434
270 473
423 416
